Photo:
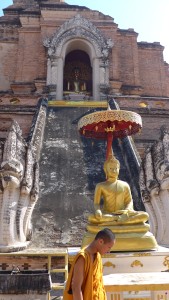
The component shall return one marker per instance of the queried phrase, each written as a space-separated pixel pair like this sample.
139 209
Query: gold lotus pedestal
127 242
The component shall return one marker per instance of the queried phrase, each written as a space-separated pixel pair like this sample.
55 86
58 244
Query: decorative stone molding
166 262
154 185
19 184
136 263
22 87
109 264
105 89
40 85
132 90
78 27
115 86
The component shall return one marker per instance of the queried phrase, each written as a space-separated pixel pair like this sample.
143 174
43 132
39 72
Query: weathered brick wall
24 121
8 59
127 56
152 123
31 59
154 116
152 69
32 262
167 77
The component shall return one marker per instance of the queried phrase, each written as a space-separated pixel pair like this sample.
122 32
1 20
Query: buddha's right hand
98 214
121 212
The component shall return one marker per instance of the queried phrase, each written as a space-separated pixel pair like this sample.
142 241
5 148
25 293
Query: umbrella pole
109 151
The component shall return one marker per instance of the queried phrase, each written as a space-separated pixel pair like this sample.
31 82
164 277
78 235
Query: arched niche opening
77 77
81 35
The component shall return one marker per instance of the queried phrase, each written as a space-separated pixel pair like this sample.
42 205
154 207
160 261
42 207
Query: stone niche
78 33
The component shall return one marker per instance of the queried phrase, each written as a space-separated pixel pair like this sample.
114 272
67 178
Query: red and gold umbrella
109 124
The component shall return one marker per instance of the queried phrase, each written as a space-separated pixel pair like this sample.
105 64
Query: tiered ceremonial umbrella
109 124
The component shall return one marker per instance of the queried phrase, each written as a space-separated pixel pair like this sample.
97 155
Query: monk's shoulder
80 257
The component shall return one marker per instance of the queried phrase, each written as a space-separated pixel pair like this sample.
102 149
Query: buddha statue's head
112 168
76 73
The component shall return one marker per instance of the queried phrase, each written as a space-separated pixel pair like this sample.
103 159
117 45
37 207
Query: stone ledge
22 87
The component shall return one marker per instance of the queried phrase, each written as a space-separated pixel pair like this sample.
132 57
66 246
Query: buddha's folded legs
133 217
119 229
104 218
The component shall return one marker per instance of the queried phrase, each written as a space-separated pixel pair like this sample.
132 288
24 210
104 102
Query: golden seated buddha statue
117 213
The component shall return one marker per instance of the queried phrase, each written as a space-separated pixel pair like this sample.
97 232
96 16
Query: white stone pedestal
132 262
136 262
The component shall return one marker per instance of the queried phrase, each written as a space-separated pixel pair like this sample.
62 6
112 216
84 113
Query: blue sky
149 18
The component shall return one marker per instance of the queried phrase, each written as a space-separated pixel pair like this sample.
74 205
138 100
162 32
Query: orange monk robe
92 286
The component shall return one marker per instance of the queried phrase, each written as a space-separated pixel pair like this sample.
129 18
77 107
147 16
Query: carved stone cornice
78 27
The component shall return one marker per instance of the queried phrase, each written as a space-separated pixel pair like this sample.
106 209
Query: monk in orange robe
85 280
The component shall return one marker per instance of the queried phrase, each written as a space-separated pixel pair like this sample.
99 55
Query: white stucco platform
152 285
132 262
136 262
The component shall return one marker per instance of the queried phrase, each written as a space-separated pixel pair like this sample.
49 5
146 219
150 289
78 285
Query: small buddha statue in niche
76 82
117 206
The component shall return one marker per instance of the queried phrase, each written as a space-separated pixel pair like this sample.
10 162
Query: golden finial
110 129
